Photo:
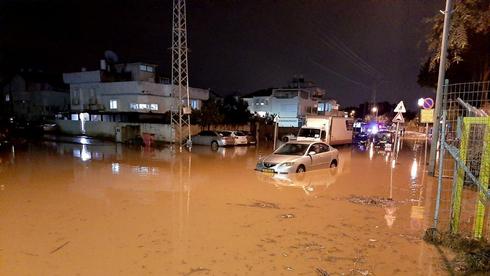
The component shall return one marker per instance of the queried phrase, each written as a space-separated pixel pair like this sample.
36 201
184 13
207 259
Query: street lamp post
375 110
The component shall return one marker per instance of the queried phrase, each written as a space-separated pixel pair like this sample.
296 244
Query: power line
339 75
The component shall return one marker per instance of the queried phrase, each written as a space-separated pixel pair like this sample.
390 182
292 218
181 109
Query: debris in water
289 268
321 272
372 240
287 216
199 269
261 204
371 200
59 247
284 254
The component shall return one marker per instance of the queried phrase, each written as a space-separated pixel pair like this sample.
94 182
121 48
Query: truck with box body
329 129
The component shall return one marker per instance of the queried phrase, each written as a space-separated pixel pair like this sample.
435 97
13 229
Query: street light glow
374 109
420 102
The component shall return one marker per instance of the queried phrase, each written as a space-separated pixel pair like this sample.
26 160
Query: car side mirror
311 153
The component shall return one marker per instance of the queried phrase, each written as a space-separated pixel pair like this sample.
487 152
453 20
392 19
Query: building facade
127 88
291 104
33 97
123 102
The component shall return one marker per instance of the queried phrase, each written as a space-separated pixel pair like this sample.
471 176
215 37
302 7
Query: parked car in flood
250 138
213 138
299 157
240 137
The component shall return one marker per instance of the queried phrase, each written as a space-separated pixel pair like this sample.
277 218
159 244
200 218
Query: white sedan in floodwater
298 157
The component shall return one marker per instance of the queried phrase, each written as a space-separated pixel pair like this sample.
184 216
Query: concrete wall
161 132
82 77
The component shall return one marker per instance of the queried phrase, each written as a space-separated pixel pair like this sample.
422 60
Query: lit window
153 106
194 104
113 104
7 98
133 106
146 68
74 117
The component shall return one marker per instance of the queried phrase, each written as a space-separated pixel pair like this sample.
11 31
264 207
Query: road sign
427 116
399 118
400 108
428 103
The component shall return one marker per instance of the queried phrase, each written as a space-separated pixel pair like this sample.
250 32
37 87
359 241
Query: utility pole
180 111
440 84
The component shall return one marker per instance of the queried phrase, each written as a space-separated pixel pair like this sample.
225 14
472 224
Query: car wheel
214 145
301 169
333 164
285 139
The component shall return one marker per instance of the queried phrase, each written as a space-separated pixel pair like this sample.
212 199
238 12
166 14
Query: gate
464 160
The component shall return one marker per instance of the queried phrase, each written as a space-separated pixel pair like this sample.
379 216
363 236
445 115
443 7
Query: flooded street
107 209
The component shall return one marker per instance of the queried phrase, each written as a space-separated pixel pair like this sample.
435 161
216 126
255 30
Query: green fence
464 161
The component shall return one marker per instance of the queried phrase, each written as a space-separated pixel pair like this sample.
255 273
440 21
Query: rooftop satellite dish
111 57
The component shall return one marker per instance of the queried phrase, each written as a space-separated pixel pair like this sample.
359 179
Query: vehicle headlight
287 164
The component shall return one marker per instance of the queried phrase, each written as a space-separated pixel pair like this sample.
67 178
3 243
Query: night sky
237 46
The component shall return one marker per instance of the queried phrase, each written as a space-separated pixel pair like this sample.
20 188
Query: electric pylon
180 120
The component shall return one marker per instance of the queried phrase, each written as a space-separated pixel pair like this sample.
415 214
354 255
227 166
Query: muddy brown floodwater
106 209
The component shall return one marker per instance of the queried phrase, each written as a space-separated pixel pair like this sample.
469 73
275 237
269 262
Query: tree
209 114
235 111
468 44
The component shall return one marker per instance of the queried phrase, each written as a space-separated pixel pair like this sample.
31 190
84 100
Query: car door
209 137
198 138
316 159
195 138
325 155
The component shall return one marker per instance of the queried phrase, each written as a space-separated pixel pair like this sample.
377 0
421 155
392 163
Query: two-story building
291 104
124 92
122 101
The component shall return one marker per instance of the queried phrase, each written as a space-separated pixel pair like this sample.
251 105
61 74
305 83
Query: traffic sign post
428 103
426 116
400 108
398 119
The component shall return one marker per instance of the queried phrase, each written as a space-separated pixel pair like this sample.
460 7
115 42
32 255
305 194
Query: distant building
33 96
123 89
292 104
122 101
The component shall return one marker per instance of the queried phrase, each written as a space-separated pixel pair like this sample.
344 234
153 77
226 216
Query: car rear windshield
292 149
309 132
239 133
225 133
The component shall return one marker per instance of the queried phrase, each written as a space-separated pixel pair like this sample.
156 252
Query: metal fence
464 160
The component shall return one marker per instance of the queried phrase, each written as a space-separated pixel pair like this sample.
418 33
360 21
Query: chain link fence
464 172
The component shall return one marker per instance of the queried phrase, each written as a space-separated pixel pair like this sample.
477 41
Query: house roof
260 93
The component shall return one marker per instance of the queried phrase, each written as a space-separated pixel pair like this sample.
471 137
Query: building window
92 99
147 68
133 106
194 104
113 104
95 118
321 107
7 98
75 99
154 107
